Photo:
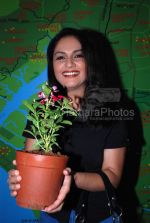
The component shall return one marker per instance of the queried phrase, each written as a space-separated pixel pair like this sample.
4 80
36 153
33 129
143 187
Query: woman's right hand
14 181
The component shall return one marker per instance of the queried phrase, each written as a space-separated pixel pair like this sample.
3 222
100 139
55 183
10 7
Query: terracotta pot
42 177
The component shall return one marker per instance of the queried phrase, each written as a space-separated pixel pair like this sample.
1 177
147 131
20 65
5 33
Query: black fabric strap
111 194
115 209
81 212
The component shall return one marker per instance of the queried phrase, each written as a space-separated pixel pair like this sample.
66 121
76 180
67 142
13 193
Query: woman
79 63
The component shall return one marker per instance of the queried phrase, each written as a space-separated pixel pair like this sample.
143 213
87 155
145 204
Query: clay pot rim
32 153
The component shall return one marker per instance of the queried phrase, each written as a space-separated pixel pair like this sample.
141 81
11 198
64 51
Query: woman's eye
60 58
79 56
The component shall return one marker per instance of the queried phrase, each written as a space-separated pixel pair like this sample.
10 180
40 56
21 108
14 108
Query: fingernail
19 178
18 186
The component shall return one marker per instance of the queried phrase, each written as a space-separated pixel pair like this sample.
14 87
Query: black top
85 146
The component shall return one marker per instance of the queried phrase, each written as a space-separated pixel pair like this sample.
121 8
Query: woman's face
69 64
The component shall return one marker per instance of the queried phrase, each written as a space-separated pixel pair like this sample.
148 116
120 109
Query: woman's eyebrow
61 52
80 50
57 52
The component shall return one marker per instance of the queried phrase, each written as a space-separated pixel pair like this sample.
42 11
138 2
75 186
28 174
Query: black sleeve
118 136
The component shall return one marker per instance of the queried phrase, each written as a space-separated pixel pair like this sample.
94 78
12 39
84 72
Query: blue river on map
7 203
24 93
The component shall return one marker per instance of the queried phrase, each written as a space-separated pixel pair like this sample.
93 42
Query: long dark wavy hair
103 86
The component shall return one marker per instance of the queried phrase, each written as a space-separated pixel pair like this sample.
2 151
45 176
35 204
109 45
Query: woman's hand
14 185
14 181
58 204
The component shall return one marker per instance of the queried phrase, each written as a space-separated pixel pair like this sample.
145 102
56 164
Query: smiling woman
70 66
81 64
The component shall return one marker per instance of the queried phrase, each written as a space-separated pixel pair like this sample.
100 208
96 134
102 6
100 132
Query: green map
26 27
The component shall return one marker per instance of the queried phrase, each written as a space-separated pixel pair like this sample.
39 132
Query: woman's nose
70 62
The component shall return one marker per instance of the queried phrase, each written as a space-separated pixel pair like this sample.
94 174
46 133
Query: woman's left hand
58 204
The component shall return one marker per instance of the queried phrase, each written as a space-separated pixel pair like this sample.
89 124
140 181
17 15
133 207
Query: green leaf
28 105
29 132
35 104
43 130
33 129
59 119
55 143
33 120
67 122
46 89
55 135
38 144
69 112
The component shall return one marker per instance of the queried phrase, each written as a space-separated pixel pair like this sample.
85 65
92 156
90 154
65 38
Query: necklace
75 103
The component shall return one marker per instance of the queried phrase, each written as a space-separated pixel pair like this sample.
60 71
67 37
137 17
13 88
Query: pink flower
55 98
41 95
60 96
54 88
43 101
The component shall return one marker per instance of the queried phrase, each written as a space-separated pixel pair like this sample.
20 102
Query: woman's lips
70 73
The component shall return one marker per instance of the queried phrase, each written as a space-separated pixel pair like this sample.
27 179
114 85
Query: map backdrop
26 27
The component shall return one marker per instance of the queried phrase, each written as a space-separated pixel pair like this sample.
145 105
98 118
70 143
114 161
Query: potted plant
41 168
